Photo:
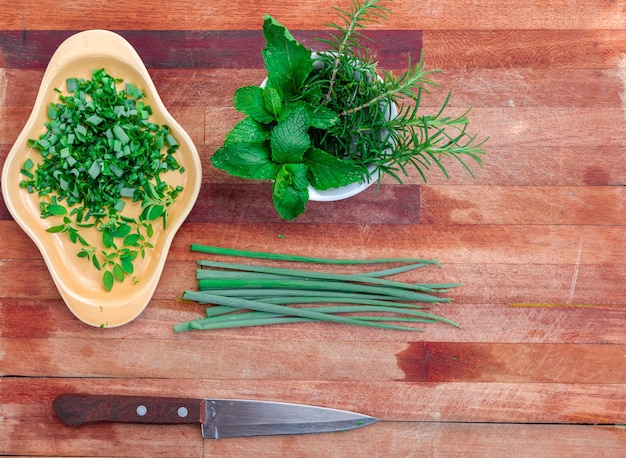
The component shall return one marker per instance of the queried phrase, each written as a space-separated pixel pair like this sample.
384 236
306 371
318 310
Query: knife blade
219 418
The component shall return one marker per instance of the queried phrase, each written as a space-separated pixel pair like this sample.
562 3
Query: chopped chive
95 155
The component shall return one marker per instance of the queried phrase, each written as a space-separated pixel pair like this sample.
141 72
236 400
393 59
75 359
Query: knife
219 417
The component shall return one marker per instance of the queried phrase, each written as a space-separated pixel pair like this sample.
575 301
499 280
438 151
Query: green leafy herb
251 295
332 118
99 152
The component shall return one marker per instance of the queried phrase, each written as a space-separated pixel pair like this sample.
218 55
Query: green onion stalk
244 295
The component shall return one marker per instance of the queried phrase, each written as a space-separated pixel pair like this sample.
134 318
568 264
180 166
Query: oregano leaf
132 240
107 238
56 209
107 280
152 212
122 230
118 273
55 229
127 265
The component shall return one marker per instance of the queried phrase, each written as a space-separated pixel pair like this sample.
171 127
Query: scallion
244 295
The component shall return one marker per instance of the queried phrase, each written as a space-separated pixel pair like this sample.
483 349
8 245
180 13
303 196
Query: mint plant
323 119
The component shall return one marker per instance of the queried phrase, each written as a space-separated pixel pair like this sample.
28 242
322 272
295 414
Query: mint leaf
246 160
290 191
273 101
288 62
247 131
316 116
250 101
327 171
290 139
322 117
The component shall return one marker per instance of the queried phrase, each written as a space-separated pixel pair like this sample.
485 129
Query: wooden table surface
537 239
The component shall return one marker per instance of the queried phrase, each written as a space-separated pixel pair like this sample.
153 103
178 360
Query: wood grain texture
247 14
537 239
195 49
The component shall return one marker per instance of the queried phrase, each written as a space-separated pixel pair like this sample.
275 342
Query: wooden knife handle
78 409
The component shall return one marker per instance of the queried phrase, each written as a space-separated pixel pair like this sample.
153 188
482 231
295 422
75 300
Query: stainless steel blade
232 418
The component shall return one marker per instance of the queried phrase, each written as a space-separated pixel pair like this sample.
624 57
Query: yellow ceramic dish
78 282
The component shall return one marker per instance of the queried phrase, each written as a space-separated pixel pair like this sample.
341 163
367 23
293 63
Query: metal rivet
142 410
183 412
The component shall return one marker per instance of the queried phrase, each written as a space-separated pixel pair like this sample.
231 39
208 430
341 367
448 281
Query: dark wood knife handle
78 409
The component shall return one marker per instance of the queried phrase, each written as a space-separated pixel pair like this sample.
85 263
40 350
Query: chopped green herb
99 152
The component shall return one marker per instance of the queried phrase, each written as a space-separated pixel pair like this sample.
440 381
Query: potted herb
329 119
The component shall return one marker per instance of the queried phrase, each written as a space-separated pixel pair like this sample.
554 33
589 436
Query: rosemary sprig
369 132
348 36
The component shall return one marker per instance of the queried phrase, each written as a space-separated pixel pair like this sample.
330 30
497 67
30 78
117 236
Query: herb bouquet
325 120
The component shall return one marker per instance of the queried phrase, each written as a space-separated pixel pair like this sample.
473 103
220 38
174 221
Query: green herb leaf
247 131
250 101
318 116
107 238
122 230
290 191
321 117
56 210
127 265
118 273
289 140
55 229
273 101
246 160
132 240
152 212
327 171
288 62
108 280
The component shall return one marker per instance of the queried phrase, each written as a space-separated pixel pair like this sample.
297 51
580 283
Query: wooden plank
464 244
598 49
482 283
252 203
595 49
427 439
552 403
224 15
588 205
475 87
540 86
383 439
183 49
529 323
322 360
